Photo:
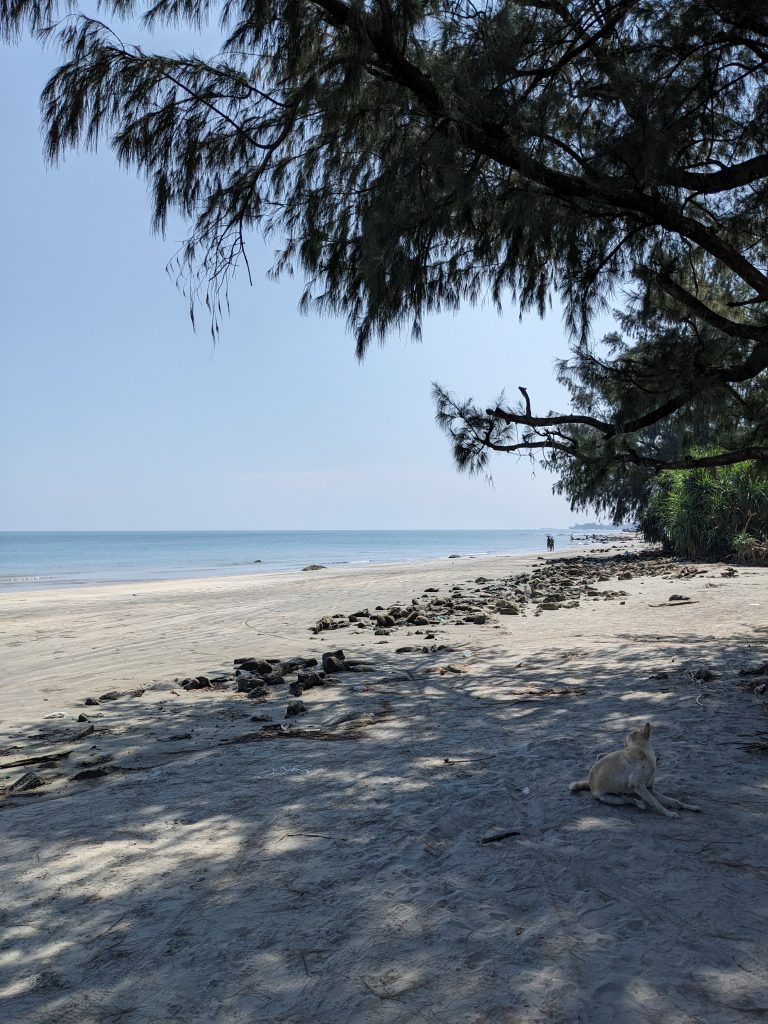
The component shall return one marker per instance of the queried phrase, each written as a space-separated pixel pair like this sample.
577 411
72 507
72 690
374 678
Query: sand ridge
218 876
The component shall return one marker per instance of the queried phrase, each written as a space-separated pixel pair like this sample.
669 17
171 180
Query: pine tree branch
733 328
493 140
708 183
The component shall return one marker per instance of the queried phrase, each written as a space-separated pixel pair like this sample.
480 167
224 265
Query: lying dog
627 777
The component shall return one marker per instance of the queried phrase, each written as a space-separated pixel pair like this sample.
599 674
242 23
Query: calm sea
32 560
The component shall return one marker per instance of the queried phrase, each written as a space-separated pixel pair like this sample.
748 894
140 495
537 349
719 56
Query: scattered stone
333 661
245 682
91 701
199 683
312 568
454 556
274 679
296 689
307 678
83 718
258 693
295 707
385 621
679 597
256 665
300 663
178 736
325 623
261 718
705 675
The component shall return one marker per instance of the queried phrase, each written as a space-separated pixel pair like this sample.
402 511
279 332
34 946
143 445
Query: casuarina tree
413 155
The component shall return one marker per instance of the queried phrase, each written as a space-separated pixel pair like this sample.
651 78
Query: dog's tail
575 787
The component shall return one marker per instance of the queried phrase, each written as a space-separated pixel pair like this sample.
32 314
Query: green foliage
710 513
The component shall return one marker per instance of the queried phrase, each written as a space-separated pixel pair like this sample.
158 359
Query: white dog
627 777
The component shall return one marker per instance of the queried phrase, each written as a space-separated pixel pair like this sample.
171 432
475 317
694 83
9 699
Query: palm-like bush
710 513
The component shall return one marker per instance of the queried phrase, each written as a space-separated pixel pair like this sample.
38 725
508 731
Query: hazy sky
114 414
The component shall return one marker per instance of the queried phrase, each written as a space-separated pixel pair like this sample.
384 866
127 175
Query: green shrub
718 513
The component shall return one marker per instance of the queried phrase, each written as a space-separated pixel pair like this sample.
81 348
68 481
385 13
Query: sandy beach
406 849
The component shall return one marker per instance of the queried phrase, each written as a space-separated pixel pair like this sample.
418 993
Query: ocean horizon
47 559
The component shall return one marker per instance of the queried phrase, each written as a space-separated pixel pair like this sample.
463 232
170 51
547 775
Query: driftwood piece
673 604
62 736
27 781
117 694
498 837
551 691
37 759
96 773
292 734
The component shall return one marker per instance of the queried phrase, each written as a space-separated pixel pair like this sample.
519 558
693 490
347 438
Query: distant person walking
550 542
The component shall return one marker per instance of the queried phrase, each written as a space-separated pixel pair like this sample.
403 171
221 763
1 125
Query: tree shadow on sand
302 880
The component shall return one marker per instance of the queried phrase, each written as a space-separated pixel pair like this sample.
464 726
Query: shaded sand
215 875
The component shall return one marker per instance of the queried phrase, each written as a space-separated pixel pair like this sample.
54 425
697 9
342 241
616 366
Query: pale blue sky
114 414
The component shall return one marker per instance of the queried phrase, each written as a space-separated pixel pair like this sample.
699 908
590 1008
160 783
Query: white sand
299 880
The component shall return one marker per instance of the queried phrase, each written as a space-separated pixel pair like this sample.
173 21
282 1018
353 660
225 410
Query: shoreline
139 634
22 582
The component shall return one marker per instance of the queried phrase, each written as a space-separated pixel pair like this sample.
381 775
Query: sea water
41 559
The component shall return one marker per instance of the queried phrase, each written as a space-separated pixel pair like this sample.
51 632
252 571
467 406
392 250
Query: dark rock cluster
558 584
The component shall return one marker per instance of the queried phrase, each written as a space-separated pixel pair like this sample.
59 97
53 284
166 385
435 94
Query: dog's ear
646 730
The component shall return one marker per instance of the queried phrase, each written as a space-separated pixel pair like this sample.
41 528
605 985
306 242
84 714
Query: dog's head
639 737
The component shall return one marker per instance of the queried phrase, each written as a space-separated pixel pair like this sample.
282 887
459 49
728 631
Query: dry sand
307 880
